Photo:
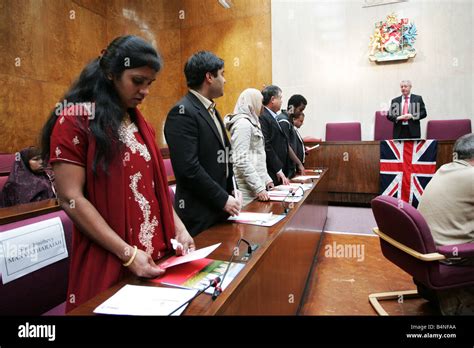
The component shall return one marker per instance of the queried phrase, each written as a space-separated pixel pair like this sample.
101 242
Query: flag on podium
406 167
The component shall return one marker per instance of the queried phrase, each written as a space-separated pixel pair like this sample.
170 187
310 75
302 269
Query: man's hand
284 180
232 206
405 117
263 196
238 196
301 170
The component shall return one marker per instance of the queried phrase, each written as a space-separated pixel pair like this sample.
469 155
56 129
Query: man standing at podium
405 112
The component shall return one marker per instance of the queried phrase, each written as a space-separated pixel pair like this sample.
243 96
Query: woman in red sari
110 176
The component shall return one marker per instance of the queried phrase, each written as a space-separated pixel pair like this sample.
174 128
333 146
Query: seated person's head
464 148
31 157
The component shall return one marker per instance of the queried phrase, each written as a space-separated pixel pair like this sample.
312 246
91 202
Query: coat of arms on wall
392 39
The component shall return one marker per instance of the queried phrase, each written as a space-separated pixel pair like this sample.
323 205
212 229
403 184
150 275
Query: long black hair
94 86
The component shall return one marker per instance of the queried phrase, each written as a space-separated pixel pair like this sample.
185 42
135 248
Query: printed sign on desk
26 249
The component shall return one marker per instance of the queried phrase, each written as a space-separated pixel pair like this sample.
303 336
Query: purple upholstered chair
344 131
172 189
406 241
168 167
448 129
383 129
43 291
6 161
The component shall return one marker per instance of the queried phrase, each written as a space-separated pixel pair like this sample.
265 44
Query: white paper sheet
293 186
260 219
194 255
290 199
305 177
312 147
282 193
145 300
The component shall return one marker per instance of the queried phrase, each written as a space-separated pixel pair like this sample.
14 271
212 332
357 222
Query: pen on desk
234 184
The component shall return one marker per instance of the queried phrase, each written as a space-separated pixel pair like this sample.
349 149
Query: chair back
448 129
383 129
403 223
344 131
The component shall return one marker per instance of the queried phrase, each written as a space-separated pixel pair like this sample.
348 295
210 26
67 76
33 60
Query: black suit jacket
300 150
287 127
276 146
416 108
199 160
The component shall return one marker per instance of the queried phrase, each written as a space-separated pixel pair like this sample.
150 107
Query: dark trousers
405 133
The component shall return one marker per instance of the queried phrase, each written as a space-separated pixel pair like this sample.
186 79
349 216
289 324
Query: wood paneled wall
46 43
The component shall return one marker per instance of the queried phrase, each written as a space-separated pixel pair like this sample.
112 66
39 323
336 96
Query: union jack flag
406 167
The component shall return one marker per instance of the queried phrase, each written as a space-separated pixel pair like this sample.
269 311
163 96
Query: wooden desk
27 210
355 167
274 279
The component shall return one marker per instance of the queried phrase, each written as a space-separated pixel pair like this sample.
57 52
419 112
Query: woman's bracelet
129 262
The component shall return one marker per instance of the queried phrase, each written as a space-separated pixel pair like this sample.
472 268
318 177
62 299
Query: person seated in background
447 204
28 181
296 105
248 147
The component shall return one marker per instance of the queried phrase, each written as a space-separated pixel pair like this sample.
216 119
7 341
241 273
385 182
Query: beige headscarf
249 103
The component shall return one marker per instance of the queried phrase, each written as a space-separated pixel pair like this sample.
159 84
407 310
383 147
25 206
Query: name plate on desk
26 249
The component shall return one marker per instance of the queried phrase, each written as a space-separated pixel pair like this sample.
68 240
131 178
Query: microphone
286 209
250 249
212 283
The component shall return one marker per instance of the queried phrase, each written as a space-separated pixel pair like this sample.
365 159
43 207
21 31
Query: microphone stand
250 249
292 194
212 283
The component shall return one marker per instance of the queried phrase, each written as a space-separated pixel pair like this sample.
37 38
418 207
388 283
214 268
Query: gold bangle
129 262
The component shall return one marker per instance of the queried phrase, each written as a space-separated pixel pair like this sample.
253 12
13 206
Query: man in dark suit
296 105
277 147
406 112
200 149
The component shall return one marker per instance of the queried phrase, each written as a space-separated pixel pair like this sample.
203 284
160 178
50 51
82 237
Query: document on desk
283 193
305 177
293 186
312 148
146 300
259 219
194 255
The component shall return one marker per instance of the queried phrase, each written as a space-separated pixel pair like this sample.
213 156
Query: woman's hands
144 266
263 196
186 243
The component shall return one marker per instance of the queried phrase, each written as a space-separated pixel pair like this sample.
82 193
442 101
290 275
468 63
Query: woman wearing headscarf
248 147
28 181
